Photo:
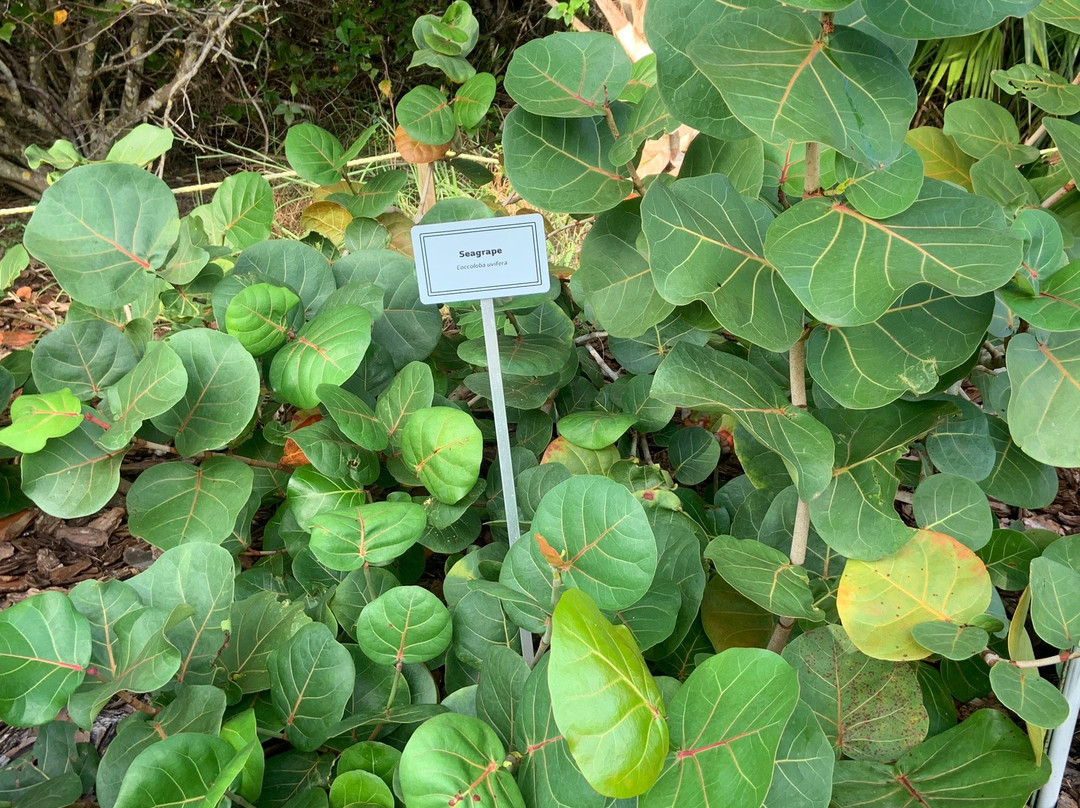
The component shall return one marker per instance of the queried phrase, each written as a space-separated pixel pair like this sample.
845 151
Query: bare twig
605 368
1055 197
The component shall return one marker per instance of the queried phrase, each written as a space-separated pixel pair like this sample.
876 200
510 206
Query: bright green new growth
855 313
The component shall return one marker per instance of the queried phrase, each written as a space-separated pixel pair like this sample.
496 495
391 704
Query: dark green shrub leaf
311 493
181 769
1045 396
327 350
594 430
311 680
1055 603
450 760
979 255
568 75
604 699
1035 699
804 764
873 96
375 533
406 624
360 788
241 212
84 357
693 453
764 575
44 648
444 447
259 624
154 385
259 316
930 19
1017 478
950 640
72 476
981 128
727 752
222 391
473 100
314 154
353 417
118 223
880 193
282 262
424 113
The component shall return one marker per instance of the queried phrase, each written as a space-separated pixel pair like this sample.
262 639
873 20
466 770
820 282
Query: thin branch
604 367
138 704
589 337
1040 132
991 658
639 186
1055 197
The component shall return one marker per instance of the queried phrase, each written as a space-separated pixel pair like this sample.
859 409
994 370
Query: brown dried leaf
413 151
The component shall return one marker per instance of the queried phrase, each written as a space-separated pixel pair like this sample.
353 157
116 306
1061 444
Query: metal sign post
485 259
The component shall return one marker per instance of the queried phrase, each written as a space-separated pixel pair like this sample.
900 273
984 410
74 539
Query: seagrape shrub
864 311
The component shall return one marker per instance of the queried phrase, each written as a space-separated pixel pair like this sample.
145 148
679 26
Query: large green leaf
924 334
241 212
1045 379
594 430
102 230
706 243
670 27
1055 602
934 19
180 770
595 533
37 418
281 262
259 316
311 493
472 101
222 391
880 193
942 159
764 575
568 75
456 760
982 128
444 447
1017 478
172 503
521 355
949 503
985 761
847 268
547 775
375 533
311 680
605 701
425 114
932 577
1049 91
705 379
1054 305
85 357
561 164
1062 13
726 723
199 576
138 658
314 154
258 624
868 708
849 91
72 476
327 350
407 624
44 648
1029 695
154 385
353 417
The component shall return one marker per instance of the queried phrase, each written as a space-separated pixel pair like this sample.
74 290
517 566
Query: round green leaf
1030 696
606 703
706 243
932 19
561 164
357 787
72 476
954 505
376 533
314 154
880 193
327 350
407 624
443 446
102 230
282 262
480 624
524 355
1055 602
311 681
85 357
155 384
949 639
453 759
36 418
764 575
1045 396
596 534
725 753
961 444
804 764
374 196
353 417
615 276
141 145
473 100
594 430
693 453
44 646
179 770
173 503
922 335
311 493
241 213
981 128
942 159
259 316
872 262
869 709
932 577
424 113
222 391
871 95
670 27
1017 478
1056 304
568 75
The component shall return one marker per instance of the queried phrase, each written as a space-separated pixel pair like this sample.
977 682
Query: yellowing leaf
328 219
59 17
932 577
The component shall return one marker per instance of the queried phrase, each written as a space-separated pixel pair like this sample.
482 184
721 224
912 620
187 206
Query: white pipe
1061 738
